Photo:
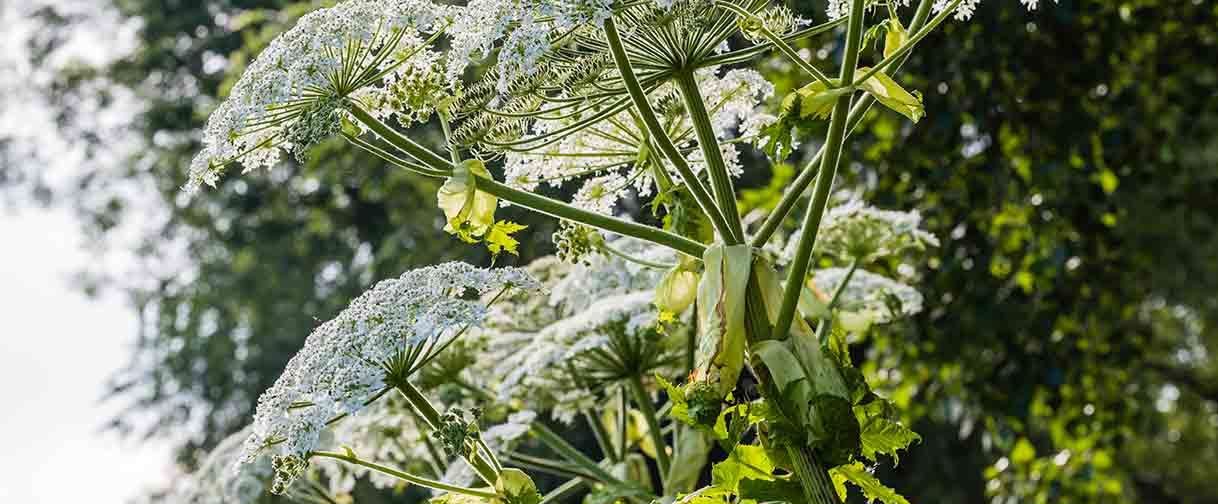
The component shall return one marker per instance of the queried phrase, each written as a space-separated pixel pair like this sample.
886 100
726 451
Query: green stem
429 414
542 204
555 442
721 181
817 485
601 435
417 480
778 42
901 52
563 492
642 262
552 467
822 330
659 136
537 203
643 400
792 195
824 181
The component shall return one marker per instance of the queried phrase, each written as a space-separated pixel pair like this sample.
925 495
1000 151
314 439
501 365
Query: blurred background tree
1066 163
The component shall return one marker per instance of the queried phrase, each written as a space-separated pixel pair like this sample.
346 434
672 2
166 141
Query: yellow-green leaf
817 100
895 37
470 213
721 337
499 238
892 95
872 489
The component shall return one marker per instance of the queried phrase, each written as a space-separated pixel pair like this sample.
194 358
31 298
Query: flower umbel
378 341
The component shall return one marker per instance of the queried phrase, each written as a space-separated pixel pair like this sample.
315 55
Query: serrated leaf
499 238
871 486
776 490
745 462
884 436
892 95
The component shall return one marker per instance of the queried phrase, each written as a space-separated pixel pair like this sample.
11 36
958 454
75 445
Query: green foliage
871 487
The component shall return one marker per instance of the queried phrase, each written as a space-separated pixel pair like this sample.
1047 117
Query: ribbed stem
721 180
643 400
660 136
815 480
808 174
824 181
429 414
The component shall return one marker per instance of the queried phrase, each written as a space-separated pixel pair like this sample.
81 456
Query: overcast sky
57 349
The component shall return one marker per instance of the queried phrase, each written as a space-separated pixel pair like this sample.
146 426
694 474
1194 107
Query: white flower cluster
529 343
877 297
841 8
526 28
385 432
287 96
967 7
855 230
348 360
605 155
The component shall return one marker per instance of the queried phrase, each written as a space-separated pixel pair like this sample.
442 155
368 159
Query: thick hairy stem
793 193
421 405
537 203
643 400
417 480
817 485
824 181
721 180
660 136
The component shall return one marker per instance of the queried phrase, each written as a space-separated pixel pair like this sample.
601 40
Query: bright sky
57 349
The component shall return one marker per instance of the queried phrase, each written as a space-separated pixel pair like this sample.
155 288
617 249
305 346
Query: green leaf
776 490
719 356
1023 452
469 213
872 489
516 487
499 238
892 95
745 462
881 435
817 100
833 429
895 37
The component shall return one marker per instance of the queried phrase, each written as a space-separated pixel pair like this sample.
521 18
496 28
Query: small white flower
881 298
350 359
289 96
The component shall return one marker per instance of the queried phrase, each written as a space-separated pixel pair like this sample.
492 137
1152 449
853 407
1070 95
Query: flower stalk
834 142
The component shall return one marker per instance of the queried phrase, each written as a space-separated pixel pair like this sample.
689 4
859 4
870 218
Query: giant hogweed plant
707 358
